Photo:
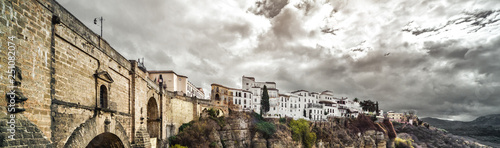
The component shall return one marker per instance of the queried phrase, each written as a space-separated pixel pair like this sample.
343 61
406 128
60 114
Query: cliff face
344 132
245 130
236 130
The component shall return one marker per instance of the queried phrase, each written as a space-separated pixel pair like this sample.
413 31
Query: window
103 95
245 95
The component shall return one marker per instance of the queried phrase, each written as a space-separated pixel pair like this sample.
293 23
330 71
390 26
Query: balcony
314 105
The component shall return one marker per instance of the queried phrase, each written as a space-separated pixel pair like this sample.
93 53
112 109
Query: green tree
301 132
264 101
369 105
356 99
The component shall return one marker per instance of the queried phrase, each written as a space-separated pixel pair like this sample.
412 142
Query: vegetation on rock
185 125
265 128
301 132
402 143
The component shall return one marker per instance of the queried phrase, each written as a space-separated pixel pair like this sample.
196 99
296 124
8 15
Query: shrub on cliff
214 115
185 125
265 128
401 143
179 146
195 135
301 132
282 120
213 112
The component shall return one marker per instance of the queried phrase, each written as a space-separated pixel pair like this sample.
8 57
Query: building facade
176 83
393 116
300 104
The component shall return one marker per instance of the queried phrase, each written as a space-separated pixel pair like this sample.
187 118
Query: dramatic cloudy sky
438 57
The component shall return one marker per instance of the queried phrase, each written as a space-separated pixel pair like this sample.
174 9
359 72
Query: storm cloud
437 57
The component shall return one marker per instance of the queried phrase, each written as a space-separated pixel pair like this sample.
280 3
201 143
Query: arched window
217 98
103 93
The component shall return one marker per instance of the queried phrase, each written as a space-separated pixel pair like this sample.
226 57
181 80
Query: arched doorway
105 140
153 119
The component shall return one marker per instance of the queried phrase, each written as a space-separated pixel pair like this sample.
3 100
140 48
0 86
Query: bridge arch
98 128
107 140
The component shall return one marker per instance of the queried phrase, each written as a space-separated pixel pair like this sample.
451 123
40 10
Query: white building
330 104
177 83
297 104
249 84
243 98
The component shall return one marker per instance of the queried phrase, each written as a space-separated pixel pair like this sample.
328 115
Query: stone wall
181 111
29 25
63 66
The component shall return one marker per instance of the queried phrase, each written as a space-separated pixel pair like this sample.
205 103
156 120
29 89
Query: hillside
485 128
421 136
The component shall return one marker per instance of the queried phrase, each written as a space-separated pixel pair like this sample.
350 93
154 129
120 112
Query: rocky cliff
250 130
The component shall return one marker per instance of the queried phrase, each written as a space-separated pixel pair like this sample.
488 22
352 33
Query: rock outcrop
238 130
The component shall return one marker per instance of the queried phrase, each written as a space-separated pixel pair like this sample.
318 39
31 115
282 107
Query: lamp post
95 22
99 19
160 81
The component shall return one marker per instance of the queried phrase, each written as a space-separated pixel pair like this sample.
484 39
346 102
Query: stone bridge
72 89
